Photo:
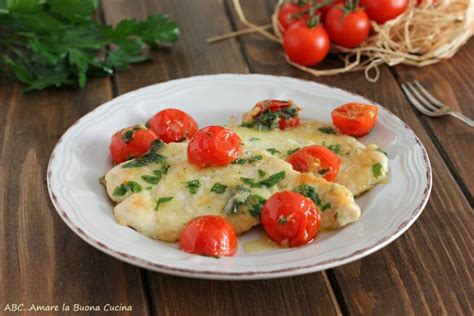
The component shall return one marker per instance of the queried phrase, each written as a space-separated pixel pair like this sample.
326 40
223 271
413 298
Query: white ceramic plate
81 157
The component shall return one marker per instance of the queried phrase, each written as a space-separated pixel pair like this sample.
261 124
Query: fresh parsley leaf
120 190
335 148
310 192
242 161
54 43
151 179
273 179
145 160
255 203
239 161
218 188
161 201
292 151
124 188
193 186
250 182
273 151
134 186
283 220
261 173
377 170
327 130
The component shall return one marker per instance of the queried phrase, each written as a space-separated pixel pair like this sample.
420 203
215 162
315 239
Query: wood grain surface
427 271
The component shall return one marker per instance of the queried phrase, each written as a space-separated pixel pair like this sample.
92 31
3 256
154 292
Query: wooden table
428 270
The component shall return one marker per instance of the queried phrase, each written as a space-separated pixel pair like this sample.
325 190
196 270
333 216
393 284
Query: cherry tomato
213 146
173 125
287 15
317 159
347 29
355 119
131 142
290 219
209 235
304 45
383 10
325 9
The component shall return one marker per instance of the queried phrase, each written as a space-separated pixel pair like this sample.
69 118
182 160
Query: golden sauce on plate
262 244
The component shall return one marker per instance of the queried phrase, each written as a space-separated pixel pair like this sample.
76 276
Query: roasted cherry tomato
383 10
209 235
131 142
347 28
290 219
172 125
316 159
355 119
305 45
213 146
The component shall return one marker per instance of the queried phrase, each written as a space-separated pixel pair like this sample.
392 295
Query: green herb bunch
54 43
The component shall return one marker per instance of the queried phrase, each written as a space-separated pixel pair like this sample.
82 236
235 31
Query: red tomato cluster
170 125
310 26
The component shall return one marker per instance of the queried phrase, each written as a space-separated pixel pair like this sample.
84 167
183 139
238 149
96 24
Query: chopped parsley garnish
193 186
291 151
241 161
156 145
255 203
335 148
253 139
310 193
268 182
273 179
273 151
327 130
161 201
218 188
120 190
283 220
377 170
151 179
160 173
123 188
145 160
250 182
323 171
127 135
261 173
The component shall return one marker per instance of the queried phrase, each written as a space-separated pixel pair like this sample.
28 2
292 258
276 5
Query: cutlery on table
427 104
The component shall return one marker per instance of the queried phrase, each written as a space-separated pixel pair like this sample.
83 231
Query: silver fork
427 104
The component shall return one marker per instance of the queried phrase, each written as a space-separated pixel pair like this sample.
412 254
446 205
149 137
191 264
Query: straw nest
425 34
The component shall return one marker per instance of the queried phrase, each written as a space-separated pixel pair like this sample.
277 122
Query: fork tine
429 96
423 101
414 101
